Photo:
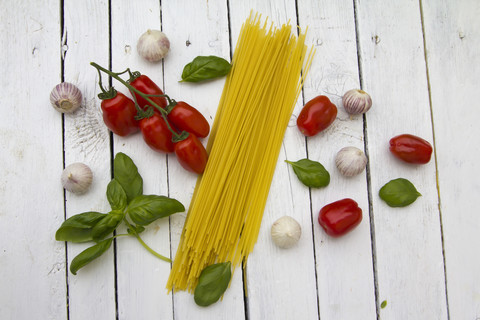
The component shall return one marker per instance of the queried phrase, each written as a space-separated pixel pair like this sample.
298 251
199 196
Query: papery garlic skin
356 101
77 178
66 97
350 161
153 45
286 232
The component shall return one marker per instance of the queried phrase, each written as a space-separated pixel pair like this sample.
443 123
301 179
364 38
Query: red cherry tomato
119 114
185 117
340 217
411 149
316 116
145 85
191 154
156 133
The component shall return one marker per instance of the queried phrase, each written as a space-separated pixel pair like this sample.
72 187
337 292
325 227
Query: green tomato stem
143 95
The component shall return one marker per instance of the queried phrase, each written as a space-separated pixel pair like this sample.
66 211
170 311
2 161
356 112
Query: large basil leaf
311 173
212 283
106 226
78 228
126 173
89 254
116 195
205 68
399 193
145 209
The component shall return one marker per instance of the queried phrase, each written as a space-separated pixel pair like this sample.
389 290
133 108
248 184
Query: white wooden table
420 62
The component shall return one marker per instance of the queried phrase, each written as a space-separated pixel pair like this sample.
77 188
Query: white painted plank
92 290
344 292
141 276
206 33
409 259
31 196
452 34
281 283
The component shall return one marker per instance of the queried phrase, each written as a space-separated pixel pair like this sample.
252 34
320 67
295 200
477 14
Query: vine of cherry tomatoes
166 125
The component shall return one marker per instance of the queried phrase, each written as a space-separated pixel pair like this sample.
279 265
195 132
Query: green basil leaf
145 209
89 254
384 304
399 193
205 68
126 174
212 283
106 226
311 173
78 228
116 195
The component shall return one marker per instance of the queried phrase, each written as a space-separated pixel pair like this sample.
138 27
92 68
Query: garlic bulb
77 178
356 101
350 161
153 45
66 97
286 232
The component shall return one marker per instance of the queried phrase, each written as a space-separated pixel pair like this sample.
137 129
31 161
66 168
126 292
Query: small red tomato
191 154
119 114
411 149
340 217
145 85
316 116
156 133
185 117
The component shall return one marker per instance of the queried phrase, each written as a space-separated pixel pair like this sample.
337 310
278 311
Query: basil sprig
205 68
125 195
311 173
399 193
212 283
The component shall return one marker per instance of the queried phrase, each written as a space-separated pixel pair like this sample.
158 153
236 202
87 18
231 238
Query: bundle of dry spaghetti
223 221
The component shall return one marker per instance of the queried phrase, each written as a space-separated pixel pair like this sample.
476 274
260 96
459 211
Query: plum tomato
317 115
340 217
119 114
191 154
145 85
156 133
411 149
185 117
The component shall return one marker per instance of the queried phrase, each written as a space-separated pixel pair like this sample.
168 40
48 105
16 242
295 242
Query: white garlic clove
356 101
66 97
286 232
350 161
153 45
77 178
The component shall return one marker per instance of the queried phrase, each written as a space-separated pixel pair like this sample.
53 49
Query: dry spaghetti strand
268 70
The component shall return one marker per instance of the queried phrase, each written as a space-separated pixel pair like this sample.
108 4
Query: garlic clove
356 101
77 178
350 161
286 232
153 45
66 97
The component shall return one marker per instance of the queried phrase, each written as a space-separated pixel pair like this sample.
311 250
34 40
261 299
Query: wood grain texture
32 263
344 265
408 245
452 34
85 38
